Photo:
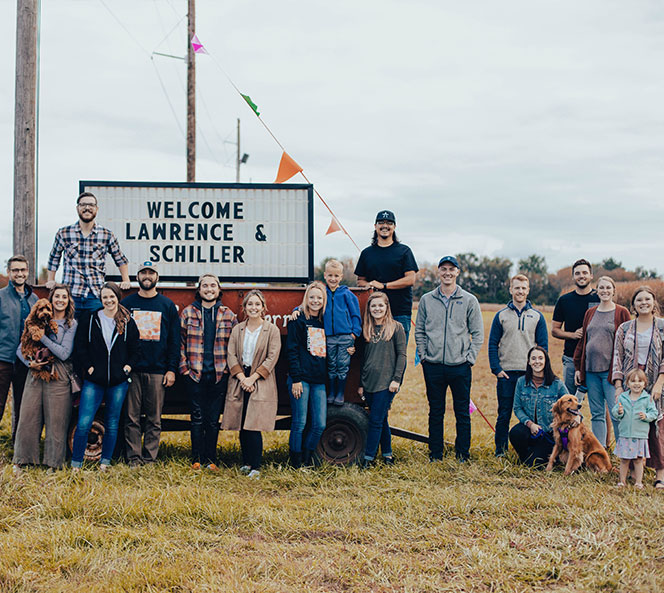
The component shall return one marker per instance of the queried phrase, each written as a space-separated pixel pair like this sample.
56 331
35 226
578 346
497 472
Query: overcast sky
504 128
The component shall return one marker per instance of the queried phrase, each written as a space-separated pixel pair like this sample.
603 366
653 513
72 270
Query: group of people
126 352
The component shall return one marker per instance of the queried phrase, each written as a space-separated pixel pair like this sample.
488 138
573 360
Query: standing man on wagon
389 266
83 247
159 325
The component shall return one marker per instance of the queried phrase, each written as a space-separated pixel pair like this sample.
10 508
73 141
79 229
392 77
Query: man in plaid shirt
85 245
205 327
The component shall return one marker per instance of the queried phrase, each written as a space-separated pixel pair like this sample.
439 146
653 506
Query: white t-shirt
643 341
249 345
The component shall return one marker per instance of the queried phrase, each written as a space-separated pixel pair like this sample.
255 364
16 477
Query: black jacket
90 351
303 365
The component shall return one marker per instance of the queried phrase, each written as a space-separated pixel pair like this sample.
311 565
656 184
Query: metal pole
191 95
25 121
237 159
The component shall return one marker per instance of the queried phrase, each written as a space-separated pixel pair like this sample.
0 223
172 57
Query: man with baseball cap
389 266
159 324
449 333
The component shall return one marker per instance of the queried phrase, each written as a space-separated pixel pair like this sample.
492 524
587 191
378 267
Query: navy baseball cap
449 259
386 215
148 265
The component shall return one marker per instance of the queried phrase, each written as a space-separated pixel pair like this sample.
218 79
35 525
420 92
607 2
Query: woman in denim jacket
534 395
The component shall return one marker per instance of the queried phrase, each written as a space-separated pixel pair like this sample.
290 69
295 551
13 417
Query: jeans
379 428
91 398
15 375
404 320
505 392
312 402
438 377
338 358
531 450
86 304
568 374
207 401
601 394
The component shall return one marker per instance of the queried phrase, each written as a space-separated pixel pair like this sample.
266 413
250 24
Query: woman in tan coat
251 400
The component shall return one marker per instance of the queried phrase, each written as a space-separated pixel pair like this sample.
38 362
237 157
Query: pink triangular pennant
334 227
472 407
197 45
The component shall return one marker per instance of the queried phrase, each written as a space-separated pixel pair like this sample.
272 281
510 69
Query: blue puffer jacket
342 313
534 404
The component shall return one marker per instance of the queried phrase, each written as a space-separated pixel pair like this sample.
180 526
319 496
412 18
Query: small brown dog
575 443
38 321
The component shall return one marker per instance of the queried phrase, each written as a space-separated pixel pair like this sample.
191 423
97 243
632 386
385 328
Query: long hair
69 311
651 292
374 238
122 315
388 327
549 375
254 293
305 307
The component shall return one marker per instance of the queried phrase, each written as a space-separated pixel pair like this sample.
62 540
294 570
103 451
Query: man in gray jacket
449 333
16 300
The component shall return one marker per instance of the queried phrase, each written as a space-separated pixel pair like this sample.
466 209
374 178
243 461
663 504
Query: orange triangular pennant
334 227
287 168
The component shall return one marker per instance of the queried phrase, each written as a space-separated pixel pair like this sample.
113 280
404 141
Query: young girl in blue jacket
635 410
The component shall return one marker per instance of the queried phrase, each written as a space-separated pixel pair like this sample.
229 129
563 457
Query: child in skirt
635 410
382 373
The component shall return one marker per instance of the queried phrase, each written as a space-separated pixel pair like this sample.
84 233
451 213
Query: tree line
488 277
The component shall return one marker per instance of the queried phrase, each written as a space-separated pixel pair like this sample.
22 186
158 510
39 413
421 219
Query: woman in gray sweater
49 403
382 372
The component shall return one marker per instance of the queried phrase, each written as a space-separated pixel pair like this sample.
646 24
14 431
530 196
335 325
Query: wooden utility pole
25 124
237 158
191 95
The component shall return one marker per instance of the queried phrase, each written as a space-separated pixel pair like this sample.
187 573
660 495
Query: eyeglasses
87 206
18 270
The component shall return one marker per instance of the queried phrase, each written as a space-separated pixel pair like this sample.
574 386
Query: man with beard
569 312
16 300
159 325
85 245
389 266
205 327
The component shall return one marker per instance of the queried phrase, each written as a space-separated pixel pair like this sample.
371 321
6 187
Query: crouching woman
534 396
107 346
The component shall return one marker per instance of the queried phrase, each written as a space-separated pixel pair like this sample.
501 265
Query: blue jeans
404 320
568 374
379 428
312 403
91 398
338 358
437 378
505 392
601 394
86 304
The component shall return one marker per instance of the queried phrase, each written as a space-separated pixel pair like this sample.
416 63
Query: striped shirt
84 258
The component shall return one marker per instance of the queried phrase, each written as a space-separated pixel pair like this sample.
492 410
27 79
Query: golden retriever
38 321
575 443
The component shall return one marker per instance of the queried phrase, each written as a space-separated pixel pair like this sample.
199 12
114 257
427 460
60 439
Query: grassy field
490 525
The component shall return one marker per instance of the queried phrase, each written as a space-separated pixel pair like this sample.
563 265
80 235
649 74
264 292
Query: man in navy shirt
389 266
159 325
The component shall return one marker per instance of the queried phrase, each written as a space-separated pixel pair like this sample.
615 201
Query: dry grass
490 525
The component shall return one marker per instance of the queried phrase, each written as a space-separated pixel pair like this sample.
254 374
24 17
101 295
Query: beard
147 283
87 216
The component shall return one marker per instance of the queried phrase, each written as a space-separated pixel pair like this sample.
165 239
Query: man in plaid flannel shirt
205 327
85 245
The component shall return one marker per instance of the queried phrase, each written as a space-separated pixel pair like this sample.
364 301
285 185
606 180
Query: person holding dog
639 343
593 356
534 396
48 403
635 411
